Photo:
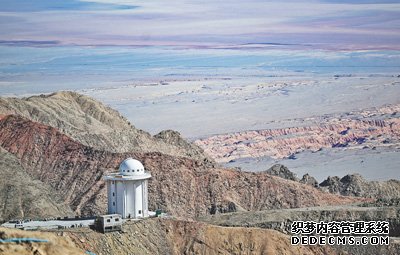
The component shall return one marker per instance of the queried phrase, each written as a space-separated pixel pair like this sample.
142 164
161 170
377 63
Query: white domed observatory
127 190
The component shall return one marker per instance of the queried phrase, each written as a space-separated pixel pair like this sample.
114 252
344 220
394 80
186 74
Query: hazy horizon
307 24
51 45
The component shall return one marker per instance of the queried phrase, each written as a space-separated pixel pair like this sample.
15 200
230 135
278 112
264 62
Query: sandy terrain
203 107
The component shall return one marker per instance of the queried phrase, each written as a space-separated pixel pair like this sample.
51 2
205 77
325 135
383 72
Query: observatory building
127 190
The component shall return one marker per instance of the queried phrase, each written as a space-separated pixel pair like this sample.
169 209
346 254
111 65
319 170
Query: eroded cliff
380 127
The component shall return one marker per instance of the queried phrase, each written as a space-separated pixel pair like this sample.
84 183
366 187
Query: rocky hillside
172 236
356 185
23 197
283 172
54 151
96 125
180 186
282 219
159 236
167 236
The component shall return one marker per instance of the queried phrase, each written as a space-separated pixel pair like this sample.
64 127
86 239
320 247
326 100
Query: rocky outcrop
22 197
356 185
350 185
283 172
175 139
180 186
309 180
332 184
366 129
96 125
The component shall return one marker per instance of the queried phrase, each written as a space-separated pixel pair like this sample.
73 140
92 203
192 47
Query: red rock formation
281 143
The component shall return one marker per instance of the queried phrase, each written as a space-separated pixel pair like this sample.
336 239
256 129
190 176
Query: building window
108 220
117 219
113 203
128 171
112 182
137 170
113 194
140 211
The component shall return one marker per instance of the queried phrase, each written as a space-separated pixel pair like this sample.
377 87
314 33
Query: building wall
145 199
139 199
120 198
111 196
107 223
128 198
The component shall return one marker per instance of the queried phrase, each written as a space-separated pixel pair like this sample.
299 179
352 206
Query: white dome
131 166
